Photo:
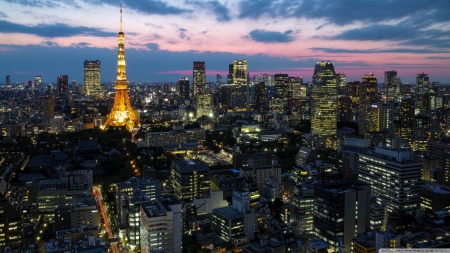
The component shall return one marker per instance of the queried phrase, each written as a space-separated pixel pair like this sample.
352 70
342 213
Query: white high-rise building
161 225
393 176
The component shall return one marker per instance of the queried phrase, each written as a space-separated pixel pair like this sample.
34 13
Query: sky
164 37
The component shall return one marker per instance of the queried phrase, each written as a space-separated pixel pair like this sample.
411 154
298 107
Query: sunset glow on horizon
163 38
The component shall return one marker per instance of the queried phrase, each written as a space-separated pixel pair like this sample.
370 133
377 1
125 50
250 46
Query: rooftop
228 212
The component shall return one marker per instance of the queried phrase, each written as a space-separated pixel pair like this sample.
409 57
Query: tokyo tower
122 114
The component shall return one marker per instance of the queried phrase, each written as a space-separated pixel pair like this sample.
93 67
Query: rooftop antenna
120 16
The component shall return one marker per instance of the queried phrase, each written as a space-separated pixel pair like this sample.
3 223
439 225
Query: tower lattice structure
122 114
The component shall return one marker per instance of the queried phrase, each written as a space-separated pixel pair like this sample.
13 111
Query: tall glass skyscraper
92 77
240 72
199 76
390 86
63 84
324 101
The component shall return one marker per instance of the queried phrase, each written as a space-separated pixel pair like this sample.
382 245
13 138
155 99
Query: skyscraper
230 73
297 91
226 92
260 97
324 101
239 97
49 107
62 84
37 81
281 86
122 114
368 97
204 103
8 82
240 72
422 84
390 86
341 82
422 90
407 118
199 77
183 89
92 77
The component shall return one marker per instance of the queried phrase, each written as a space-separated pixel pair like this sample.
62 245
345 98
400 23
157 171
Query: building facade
324 101
92 77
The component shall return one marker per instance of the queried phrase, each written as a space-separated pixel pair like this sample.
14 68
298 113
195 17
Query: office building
239 97
281 86
228 224
52 193
204 103
131 217
225 97
57 124
422 84
37 81
282 97
422 90
136 186
10 225
342 210
341 83
393 176
183 89
261 173
345 112
422 124
190 178
390 86
353 89
324 101
230 73
297 91
378 118
199 77
407 118
364 243
368 97
272 190
183 138
240 72
62 84
386 240
225 183
49 107
378 215
434 198
303 208
92 77
8 80
83 212
161 225
260 97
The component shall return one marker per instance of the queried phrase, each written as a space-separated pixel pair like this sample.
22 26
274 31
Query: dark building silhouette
62 84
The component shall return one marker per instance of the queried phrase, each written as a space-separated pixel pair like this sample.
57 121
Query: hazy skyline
163 38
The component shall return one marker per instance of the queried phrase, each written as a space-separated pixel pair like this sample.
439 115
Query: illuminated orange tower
122 114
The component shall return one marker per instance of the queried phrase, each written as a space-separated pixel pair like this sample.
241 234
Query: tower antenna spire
120 16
